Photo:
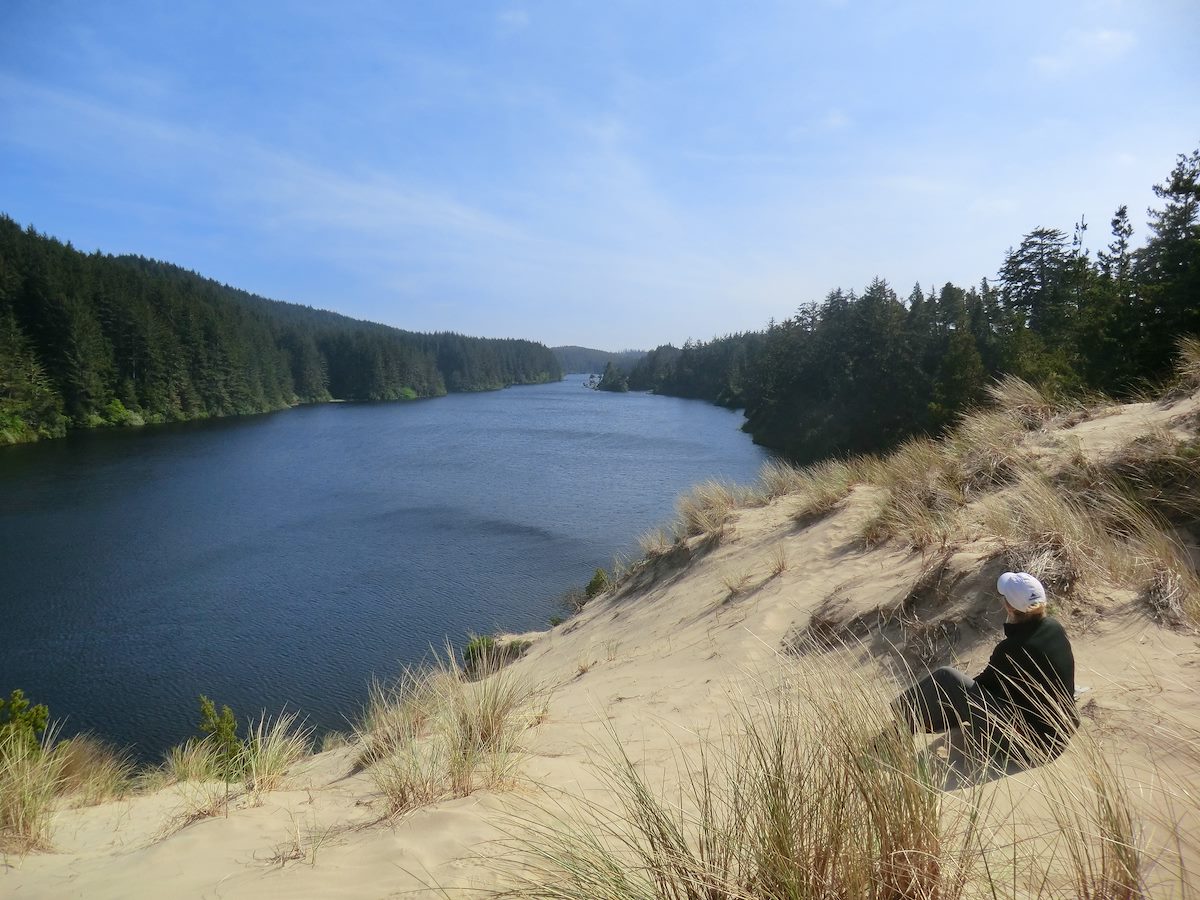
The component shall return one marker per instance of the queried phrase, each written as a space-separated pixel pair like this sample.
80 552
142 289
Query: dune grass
1187 362
707 508
441 732
31 779
272 748
817 795
38 776
920 498
94 771
1072 539
810 798
194 760
1018 397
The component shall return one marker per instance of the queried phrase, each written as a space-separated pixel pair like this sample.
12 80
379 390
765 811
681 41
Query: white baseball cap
1022 591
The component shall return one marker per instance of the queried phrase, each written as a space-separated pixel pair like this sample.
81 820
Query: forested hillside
587 361
94 339
858 372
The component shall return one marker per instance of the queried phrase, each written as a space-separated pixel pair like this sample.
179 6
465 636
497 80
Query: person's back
1032 671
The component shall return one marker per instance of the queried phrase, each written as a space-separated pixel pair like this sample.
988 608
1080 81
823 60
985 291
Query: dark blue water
280 561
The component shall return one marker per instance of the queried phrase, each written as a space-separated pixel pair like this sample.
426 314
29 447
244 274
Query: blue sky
614 174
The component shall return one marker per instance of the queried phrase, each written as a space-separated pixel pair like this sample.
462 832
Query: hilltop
586 361
792 609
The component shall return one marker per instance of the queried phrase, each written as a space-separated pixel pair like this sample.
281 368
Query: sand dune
657 666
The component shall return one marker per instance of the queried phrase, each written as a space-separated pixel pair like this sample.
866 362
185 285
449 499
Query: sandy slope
659 664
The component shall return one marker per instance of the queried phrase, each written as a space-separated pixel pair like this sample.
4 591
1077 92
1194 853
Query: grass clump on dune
94 771
920 499
816 489
804 800
38 771
30 782
816 795
707 508
439 732
1018 397
1187 363
1077 535
258 763
271 749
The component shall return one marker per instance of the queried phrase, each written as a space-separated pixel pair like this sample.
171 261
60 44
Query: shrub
478 649
270 748
221 732
484 654
21 722
598 585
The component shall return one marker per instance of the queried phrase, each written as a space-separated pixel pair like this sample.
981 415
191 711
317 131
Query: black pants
945 698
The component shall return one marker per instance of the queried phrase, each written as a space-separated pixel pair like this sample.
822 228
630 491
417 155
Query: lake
282 561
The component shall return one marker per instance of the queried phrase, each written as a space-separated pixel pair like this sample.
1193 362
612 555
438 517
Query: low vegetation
440 732
817 794
40 772
707 508
483 653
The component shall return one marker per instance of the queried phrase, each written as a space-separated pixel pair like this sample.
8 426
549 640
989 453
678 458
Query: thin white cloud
1085 49
831 121
512 21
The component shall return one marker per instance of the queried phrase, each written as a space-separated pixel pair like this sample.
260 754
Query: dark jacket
1032 672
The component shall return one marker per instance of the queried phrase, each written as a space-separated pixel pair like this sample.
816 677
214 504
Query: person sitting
1023 703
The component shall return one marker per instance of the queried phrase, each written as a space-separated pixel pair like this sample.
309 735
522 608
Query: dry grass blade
1018 396
1187 365
797 801
30 780
93 771
921 498
707 508
1095 535
1055 536
271 749
655 543
778 477
983 451
779 559
195 760
821 487
442 733
735 583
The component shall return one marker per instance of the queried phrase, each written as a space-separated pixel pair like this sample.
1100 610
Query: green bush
20 721
221 731
598 585
479 649
484 654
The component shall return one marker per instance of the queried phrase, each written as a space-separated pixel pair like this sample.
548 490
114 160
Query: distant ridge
585 360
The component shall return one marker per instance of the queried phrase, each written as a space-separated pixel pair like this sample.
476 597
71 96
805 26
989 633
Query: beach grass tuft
442 732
